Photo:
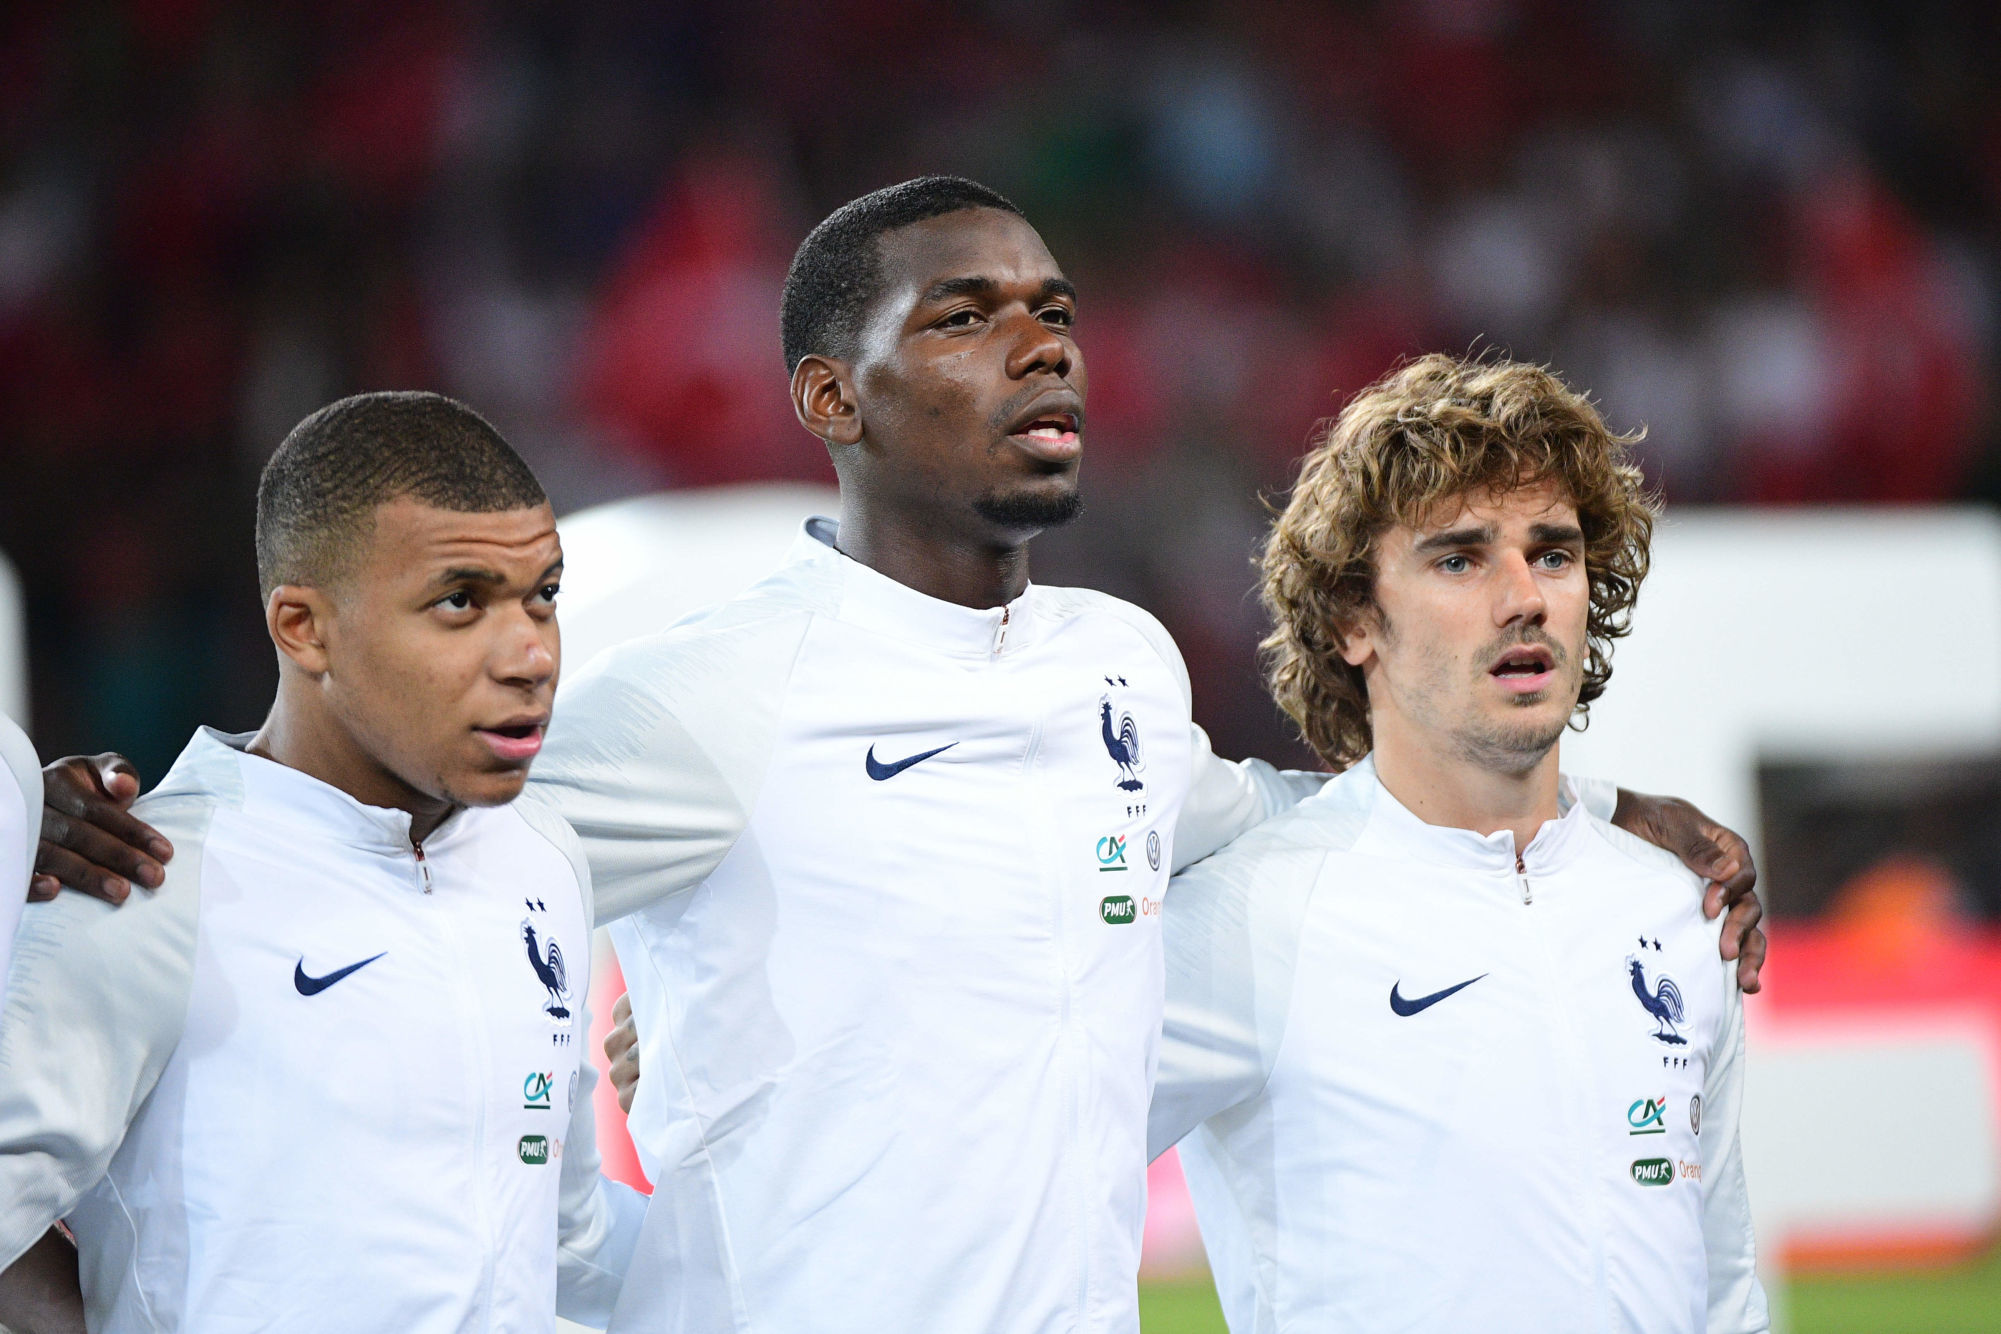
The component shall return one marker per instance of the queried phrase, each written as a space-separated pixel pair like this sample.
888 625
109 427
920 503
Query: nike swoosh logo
879 771
313 986
1407 1008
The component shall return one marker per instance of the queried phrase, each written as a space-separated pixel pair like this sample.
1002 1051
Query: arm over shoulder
1230 932
97 1000
598 1220
658 750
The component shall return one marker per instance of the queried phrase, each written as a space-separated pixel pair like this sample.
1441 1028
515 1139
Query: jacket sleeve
657 751
97 999
1226 799
598 1221
20 823
1736 1298
1230 933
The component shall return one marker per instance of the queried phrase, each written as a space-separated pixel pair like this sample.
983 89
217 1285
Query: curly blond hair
1434 429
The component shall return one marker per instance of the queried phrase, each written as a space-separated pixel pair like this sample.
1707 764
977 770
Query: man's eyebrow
1457 537
976 285
468 574
1556 533
969 285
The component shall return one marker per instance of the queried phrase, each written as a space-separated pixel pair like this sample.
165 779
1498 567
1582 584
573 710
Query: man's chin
1030 510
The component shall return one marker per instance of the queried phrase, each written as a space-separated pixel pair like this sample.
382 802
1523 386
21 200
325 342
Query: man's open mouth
1524 664
516 740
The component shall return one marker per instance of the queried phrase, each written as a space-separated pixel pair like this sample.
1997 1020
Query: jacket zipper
1000 632
423 867
1522 874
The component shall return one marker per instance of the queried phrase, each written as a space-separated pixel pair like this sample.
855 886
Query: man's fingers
621 1009
69 869
1751 961
96 790
42 888
101 848
116 777
620 1041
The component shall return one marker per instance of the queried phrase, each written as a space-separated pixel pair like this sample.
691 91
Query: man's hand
1716 854
39 1293
621 1048
88 840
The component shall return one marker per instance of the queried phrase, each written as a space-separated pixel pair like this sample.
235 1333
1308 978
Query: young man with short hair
1462 1055
327 1077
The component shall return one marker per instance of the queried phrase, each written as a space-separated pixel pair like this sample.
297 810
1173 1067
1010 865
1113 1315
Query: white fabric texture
887 909
315 1081
20 824
1369 1154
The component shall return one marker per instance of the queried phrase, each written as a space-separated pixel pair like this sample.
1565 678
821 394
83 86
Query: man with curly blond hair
1456 1053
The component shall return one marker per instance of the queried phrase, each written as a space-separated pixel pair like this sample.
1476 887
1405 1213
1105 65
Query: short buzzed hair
836 275
317 498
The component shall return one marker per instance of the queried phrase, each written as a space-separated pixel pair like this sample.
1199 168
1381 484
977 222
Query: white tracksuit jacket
1440 1090
887 873
315 1083
20 825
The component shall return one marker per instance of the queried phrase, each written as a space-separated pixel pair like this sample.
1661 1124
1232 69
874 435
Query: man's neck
309 741
978 570
1453 791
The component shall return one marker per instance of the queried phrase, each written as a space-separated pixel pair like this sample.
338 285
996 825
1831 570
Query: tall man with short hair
1462 1054
327 1077
886 836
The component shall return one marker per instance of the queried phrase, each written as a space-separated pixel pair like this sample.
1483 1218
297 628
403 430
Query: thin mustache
1524 639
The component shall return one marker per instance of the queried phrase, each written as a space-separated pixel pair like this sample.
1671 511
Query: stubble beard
1026 510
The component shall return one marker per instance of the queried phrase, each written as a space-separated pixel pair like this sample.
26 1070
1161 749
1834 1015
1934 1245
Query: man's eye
547 592
1456 564
960 319
1059 317
1556 560
456 600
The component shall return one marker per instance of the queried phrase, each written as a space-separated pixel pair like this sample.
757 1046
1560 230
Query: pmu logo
1648 1116
535 1091
533 1149
1653 1171
1119 909
1112 852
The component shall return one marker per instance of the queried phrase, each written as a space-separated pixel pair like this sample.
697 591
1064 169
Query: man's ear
298 617
1358 640
823 395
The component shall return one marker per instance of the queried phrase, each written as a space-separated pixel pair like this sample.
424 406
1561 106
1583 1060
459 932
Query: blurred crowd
1766 233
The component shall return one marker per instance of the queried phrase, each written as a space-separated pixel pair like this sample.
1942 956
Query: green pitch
1953 1301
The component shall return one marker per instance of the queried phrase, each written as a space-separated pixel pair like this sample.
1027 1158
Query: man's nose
528 652
1520 597
1037 347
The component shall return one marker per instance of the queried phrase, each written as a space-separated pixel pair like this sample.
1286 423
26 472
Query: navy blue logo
1407 1008
309 985
549 971
1122 743
1662 1001
881 772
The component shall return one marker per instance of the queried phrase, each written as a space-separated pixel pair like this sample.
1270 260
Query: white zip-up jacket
1439 1088
20 826
887 873
323 1079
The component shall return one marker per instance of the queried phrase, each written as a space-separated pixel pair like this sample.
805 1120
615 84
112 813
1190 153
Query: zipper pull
1522 874
423 867
1000 632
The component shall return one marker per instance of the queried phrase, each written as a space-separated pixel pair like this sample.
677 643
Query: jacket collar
1394 831
873 601
279 795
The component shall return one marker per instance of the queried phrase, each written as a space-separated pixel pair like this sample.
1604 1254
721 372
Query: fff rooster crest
1121 737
